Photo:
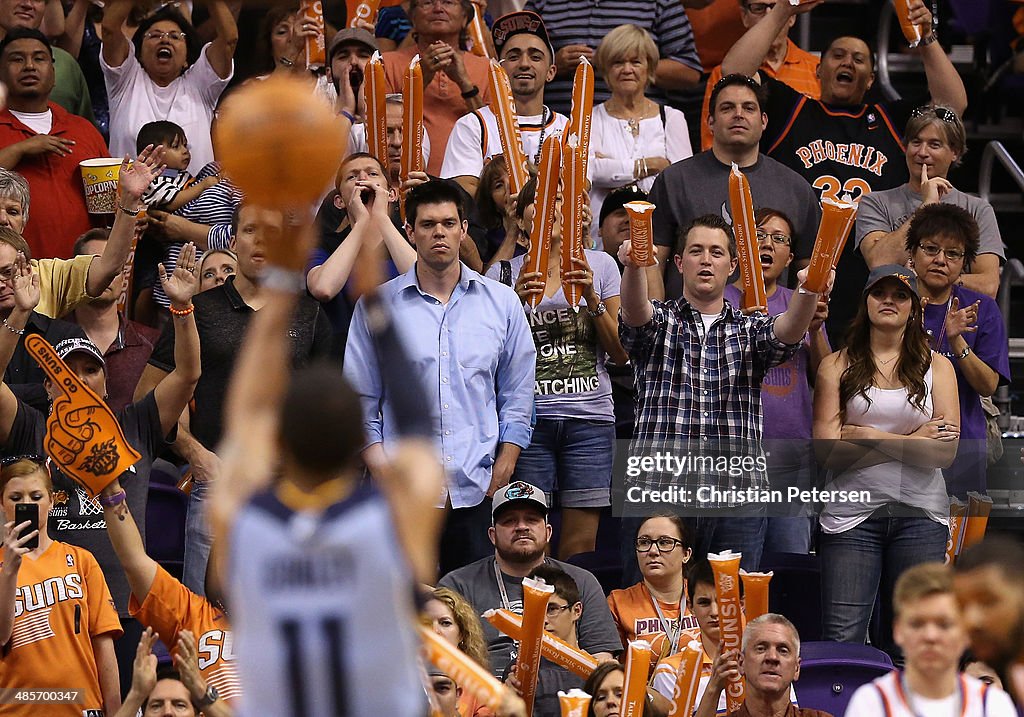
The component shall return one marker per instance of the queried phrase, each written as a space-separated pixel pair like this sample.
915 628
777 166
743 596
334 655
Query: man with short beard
520 535
989 583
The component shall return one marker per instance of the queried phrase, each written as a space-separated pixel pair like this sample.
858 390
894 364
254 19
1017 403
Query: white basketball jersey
322 611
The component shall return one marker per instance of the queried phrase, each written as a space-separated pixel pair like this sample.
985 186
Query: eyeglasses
946 115
932 250
172 35
759 8
665 544
442 3
782 239
553 610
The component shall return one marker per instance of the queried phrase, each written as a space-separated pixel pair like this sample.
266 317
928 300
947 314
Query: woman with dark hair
166 77
606 686
492 209
885 424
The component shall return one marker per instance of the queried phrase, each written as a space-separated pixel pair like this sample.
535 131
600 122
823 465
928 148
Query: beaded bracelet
19 332
112 501
182 312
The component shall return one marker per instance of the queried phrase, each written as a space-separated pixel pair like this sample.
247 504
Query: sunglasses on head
35 458
946 115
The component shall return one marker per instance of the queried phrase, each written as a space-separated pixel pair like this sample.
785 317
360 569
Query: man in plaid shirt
699 363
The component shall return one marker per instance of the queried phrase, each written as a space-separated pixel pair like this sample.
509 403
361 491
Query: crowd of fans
877 387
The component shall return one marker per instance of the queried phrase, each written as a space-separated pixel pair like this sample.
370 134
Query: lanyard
666 625
501 588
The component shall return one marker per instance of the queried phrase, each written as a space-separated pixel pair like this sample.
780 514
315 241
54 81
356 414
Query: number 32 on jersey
835 189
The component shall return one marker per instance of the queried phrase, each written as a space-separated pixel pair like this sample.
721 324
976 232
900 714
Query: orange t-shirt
799 70
62 602
442 99
469 707
636 619
170 607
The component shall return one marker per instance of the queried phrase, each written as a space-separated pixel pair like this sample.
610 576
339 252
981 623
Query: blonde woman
453 618
632 138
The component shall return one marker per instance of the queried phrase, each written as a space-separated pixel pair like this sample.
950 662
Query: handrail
996 150
1013 275
882 43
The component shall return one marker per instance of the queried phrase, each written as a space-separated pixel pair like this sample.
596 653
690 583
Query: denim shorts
570 457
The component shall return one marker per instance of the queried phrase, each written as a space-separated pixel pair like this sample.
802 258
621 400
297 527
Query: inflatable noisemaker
978 509
726 566
576 152
504 109
574 703
365 10
641 232
463 670
412 124
551 648
375 91
684 695
957 518
634 688
82 435
577 132
316 45
544 217
836 222
476 34
755 297
536 594
911 32
755 593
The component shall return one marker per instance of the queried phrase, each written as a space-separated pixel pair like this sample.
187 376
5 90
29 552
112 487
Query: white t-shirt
475 138
978 701
188 101
38 122
357 142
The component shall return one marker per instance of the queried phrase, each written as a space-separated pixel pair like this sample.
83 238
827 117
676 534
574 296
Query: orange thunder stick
365 10
577 132
574 177
316 46
536 594
375 89
641 232
412 124
836 221
551 648
911 32
544 217
476 34
504 109
957 518
687 681
634 689
755 297
463 670
755 593
574 703
726 566
978 508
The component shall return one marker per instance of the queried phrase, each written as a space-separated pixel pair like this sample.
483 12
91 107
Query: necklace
545 112
888 360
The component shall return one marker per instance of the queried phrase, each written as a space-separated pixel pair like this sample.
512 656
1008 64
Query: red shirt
57 214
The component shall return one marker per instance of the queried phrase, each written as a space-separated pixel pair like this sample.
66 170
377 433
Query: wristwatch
601 308
209 698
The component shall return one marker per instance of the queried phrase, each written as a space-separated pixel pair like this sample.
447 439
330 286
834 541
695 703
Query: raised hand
25 283
136 176
186 661
183 283
961 321
144 666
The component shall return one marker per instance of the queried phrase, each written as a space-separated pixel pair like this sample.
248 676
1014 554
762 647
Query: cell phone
355 78
29 512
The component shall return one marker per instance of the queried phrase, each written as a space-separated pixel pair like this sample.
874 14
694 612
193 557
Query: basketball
278 143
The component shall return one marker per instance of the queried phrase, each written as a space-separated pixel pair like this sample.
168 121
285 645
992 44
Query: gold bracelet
182 312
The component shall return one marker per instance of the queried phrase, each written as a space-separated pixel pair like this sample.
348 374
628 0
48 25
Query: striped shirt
699 393
215 207
570 22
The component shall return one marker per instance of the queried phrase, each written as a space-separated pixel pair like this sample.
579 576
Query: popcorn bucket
99 178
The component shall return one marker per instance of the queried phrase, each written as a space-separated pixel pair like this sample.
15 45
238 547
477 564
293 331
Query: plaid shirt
702 394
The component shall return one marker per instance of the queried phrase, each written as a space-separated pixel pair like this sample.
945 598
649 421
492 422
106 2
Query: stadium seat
165 527
830 672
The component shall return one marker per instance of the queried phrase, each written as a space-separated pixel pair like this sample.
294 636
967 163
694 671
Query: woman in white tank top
885 416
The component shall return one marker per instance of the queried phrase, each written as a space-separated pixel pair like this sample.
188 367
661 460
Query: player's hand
186 661
25 283
144 666
14 547
46 144
567 57
181 284
136 176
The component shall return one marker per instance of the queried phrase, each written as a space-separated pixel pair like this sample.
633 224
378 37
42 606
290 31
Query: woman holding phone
55 607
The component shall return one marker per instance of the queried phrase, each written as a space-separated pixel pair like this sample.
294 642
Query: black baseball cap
80 346
517 23
892 271
620 198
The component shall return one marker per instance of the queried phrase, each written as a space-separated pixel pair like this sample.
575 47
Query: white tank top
322 611
889 410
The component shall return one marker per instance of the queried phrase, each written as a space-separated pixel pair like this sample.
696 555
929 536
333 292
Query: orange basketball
280 144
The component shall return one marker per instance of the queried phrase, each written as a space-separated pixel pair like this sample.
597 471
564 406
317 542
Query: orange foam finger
463 670
684 695
544 217
503 106
557 651
726 566
375 92
755 297
755 593
641 233
634 689
836 222
536 594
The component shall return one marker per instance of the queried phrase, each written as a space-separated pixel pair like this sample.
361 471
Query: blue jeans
858 562
197 541
743 532
572 457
